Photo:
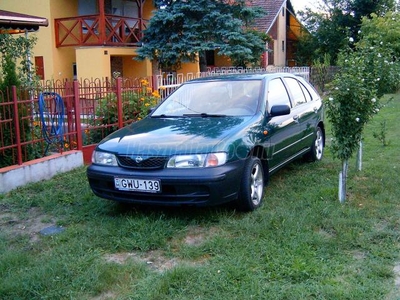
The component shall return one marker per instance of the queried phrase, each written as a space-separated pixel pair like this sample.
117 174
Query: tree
369 69
333 23
382 29
13 49
19 75
182 31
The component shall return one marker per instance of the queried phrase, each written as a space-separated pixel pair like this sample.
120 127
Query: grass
302 244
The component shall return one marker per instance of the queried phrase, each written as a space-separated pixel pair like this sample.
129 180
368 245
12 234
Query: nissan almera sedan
214 140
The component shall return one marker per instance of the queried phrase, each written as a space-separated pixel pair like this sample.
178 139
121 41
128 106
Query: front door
283 131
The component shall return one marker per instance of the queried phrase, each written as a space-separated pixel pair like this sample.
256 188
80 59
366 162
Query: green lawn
302 244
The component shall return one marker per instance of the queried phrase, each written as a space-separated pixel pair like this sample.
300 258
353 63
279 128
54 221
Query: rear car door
304 109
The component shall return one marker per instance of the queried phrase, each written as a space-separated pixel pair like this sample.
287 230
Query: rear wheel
317 148
252 186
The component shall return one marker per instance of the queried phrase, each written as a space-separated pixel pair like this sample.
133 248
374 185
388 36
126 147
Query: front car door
283 131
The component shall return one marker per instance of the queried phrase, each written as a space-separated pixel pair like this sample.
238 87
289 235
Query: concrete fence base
39 169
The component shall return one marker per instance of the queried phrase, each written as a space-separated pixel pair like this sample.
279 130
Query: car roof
246 76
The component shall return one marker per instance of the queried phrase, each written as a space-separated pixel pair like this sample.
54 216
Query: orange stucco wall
91 62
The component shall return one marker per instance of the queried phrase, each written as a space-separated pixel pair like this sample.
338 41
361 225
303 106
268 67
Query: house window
283 46
283 12
39 65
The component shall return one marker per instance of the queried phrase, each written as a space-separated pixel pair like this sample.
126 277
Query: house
87 38
284 29
99 38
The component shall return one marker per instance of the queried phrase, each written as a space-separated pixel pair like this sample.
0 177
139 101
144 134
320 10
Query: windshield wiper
164 116
204 115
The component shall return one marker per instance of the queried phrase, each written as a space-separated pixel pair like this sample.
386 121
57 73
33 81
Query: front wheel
252 186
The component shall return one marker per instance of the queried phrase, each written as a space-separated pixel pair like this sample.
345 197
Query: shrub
135 106
21 75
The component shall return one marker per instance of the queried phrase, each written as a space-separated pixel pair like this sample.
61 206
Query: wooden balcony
98 30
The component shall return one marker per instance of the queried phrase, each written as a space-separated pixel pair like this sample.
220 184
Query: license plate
134 184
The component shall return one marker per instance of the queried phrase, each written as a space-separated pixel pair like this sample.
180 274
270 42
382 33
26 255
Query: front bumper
200 186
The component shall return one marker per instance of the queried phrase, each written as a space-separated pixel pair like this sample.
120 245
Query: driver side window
277 93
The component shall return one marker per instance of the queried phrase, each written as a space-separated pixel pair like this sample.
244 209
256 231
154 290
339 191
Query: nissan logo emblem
139 159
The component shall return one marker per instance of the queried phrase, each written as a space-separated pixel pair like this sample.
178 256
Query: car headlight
197 160
104 158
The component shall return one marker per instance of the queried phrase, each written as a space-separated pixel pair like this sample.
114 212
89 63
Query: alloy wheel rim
319 145
257 184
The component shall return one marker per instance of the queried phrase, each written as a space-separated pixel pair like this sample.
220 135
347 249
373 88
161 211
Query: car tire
251 191
317 147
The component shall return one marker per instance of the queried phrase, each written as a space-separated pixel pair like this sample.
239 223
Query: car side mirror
280 110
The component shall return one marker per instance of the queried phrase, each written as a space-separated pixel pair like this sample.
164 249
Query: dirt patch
196 235
394 295
12 224
327 233
358 255
105 296
157 260
396 271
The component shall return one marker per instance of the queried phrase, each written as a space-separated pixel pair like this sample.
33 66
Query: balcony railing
93 30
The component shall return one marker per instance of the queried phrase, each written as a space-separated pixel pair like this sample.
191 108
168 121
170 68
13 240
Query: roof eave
10 21
276 16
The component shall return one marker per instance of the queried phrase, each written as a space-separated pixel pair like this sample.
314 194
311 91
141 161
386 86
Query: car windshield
212 99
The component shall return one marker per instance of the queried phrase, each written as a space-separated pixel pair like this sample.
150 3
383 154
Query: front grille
139 162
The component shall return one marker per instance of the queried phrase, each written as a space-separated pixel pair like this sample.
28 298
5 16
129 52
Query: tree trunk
342 182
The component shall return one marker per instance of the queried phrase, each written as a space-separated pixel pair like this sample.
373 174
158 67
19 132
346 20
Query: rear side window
296 91
306 92
277 93
307 87
314 94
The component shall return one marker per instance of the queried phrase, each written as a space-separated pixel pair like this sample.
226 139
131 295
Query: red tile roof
272 8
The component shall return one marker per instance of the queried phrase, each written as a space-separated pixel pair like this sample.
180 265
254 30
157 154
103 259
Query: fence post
119 103
77 106
68 90
16 122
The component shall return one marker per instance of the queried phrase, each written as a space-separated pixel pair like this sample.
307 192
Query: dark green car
213 140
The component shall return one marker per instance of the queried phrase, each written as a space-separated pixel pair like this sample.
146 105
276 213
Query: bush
135 106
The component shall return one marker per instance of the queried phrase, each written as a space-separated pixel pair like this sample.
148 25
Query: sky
301 4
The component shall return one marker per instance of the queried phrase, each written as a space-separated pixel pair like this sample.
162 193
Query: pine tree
181 31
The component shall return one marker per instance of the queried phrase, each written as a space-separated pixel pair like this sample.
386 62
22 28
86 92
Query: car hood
167 136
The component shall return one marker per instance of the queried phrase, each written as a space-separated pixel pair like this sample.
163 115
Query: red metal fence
36 124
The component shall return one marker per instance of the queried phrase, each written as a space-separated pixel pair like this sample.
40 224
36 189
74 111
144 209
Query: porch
98 30
107 27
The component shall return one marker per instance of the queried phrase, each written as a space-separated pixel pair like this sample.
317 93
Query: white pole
342 182
359 157
341 199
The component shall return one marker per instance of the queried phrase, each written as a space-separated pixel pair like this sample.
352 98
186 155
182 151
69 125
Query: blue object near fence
51 110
